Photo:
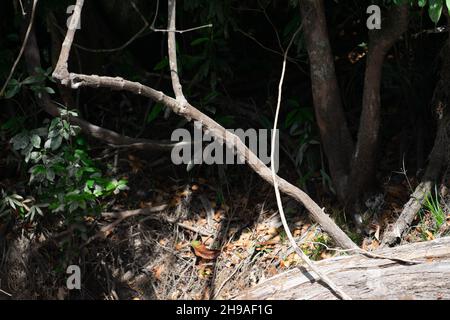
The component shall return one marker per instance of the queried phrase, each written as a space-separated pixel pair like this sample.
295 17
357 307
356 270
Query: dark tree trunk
365 156
352 169
336 138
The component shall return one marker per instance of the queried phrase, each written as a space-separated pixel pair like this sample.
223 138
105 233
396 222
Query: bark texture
335 136
365 278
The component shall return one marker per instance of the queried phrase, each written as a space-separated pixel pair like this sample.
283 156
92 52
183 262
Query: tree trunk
352 170
365 156
365 278
336 138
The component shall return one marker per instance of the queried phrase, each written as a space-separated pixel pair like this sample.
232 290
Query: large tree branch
189 112
33 60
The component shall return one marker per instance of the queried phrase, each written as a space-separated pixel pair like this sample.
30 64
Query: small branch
5 293
297 249
22 8
292 60
184 30
120 216
172 49
25 40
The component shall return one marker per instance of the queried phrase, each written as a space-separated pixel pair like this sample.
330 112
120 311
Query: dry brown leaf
203 252
158 271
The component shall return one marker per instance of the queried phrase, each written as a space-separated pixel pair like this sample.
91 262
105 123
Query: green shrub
63 178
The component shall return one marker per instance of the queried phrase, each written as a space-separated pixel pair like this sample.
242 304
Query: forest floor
206 238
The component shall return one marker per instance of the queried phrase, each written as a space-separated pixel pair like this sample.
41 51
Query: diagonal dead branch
191 113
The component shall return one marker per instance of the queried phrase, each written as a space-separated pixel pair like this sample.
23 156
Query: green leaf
50 175
34 79
56 143
12 91
20 141
90 183
198 41
49 90
435 10
162 64
36 141
156 110
38 169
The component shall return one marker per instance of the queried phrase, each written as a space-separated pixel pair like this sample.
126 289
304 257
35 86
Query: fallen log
365 278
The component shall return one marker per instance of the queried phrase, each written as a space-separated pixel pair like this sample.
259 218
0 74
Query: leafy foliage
435 7
36 83
62 175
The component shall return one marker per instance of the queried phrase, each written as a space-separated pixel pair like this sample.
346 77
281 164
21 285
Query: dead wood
365 278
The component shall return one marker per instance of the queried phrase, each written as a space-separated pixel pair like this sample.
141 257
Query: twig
299 251
25 40
5 293
183 30
292 60
222 285
22 8
172 29
120 216
171 45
